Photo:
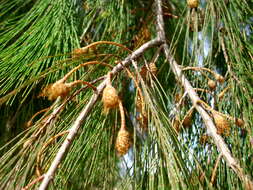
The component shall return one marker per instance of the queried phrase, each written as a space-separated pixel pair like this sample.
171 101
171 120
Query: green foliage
37 44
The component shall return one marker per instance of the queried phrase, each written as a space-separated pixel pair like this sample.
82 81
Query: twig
33 182
211 129
221 95
137 87
188 114
215 168
85 112
156 56
81 82
82 65
50 118
38 169
30 122
171 15
203 90
94 44
199 69
152 64
225 54
122 116
212 110
58 109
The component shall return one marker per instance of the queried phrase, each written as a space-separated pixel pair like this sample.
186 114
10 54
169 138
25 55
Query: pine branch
211 129
85 112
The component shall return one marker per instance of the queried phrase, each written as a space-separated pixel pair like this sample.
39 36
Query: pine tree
98 94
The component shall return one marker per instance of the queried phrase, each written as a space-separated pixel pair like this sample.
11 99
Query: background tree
159 96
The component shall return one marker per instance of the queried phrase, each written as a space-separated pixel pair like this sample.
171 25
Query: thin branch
39 155
82 65
225 53
122 116
137 87
222 93
211 129
156 56
199 69
57 110
30 122
81 82
85 112
215 168
94 44
33 182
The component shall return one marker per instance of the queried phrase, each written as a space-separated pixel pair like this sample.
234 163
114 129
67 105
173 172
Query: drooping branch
210 127
85 112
